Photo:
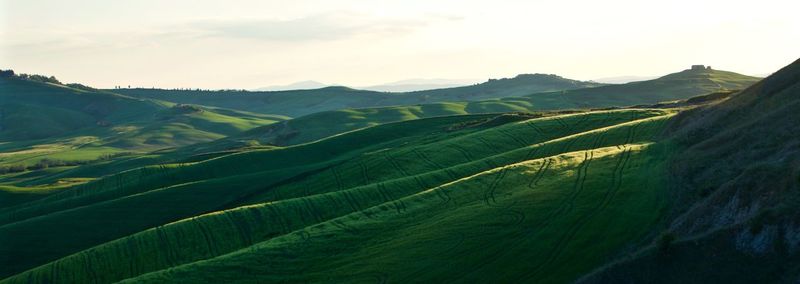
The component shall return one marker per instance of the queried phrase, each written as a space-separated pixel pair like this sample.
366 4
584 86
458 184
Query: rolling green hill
34 110
440 192
394 172
45 124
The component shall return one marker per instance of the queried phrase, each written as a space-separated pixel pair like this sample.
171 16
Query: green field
543 187
401 172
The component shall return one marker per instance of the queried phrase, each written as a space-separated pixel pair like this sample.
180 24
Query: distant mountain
412 85
302 85
624 79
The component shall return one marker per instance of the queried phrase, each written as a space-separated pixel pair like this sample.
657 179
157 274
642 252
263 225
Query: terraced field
496 197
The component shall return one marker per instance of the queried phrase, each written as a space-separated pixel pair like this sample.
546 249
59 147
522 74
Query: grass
398 167
542 233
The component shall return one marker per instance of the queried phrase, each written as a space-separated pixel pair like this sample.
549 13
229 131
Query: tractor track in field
337 176
344 226
539 174
463 152
312 210
523 235
435 165
564 125
488 145
440 192
533 151
488 195
400 206
518 218
363 168
381 189
347 195
535 127
565 206
556 250
519 141
396 165
405 173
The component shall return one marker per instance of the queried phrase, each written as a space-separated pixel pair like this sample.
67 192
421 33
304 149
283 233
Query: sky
249 44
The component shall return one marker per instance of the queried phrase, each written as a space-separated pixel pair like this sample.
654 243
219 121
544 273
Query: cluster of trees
53 163
38 78
43 164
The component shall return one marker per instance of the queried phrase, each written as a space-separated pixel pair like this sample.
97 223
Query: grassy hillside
441 195
33 110
48 125
676 86
739 185
450 174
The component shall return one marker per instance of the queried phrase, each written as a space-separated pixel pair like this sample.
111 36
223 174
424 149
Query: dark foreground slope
429 200
739 175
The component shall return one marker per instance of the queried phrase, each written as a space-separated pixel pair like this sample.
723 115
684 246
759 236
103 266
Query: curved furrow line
539 173
488 195
312 210
420 182
533 151
435 165
535 127
364 173
395 164
338 178
517 237
344 227
558 249
381 187
563 124
516 139
445 197
463 152
488 145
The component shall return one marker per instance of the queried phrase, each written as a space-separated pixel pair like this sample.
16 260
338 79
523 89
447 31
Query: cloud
321 27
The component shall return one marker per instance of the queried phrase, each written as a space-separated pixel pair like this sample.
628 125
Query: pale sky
250 44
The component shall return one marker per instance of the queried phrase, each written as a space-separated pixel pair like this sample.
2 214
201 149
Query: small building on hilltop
699 67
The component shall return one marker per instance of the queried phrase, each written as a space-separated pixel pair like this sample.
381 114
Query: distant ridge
302 85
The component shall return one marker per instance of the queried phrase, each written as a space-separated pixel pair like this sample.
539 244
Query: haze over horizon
253 44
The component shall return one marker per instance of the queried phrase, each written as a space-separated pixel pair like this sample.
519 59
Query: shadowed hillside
739 183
